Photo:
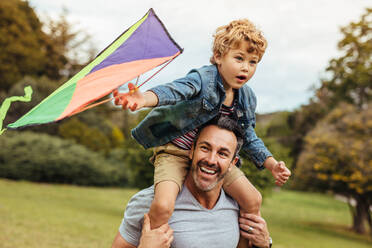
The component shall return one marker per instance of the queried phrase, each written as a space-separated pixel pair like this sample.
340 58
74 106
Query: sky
302 36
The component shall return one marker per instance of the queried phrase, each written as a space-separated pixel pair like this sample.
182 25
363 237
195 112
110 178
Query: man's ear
191 151
235 160
233 163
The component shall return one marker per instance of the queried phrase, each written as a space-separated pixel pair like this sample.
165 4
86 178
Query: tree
92 137
21 37
349 79
68 48
338 157
29 47
351 73
302 121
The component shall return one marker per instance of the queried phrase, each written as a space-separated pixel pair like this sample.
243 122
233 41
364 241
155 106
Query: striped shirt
185 141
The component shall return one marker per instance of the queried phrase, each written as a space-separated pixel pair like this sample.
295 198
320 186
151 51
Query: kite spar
142 47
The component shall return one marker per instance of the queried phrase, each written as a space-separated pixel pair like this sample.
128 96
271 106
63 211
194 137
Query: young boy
185 104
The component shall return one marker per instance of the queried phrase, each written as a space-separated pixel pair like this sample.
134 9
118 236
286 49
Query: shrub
44 158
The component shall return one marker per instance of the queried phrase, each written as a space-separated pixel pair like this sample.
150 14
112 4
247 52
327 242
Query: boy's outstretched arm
280 172
134 99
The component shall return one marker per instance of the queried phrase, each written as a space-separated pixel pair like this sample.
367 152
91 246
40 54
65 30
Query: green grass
43 215
308 220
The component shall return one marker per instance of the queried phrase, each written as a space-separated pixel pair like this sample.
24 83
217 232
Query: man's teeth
207 171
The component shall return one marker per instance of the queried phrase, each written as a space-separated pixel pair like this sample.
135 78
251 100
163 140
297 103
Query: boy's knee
257 202
254 203
258 198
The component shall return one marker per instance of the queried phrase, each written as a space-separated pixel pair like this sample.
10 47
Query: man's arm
160 237
254 228
120 242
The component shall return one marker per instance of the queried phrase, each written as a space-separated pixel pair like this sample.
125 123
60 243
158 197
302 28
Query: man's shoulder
228 200
138 205
140 200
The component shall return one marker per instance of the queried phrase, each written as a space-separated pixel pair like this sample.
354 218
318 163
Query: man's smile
207 168
208 171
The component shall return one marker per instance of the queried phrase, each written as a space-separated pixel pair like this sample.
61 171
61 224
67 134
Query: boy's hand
133 99
281 173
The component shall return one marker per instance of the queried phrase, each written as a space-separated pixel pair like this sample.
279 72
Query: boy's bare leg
162 206
247 196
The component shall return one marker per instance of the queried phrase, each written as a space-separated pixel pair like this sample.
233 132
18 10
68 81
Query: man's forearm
120 242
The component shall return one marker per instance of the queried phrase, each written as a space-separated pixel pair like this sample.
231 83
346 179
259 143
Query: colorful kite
142 47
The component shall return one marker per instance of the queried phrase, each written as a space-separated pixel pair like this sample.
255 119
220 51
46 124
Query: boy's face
237 66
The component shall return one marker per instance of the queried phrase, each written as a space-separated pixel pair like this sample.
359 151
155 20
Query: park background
67 184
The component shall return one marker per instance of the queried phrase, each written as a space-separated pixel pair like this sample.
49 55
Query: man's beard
194 171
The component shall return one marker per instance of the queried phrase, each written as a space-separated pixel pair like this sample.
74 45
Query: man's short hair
228 124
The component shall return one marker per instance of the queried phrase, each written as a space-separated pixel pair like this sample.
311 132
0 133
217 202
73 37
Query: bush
44 158
138 169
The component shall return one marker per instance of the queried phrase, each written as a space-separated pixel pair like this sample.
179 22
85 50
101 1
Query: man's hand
253 228
281 173
161 237
132 100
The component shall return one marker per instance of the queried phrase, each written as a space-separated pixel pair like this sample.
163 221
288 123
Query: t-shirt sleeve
131 225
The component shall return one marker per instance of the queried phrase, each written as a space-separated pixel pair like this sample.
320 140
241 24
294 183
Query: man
204 215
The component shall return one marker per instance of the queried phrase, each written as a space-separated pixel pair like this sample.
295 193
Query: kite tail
6 104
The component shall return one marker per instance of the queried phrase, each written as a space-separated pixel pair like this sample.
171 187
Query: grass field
43 215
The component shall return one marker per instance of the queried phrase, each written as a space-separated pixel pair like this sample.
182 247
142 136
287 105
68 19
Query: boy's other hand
132 100
281 173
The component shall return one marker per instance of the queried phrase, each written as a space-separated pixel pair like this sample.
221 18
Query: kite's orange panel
100 83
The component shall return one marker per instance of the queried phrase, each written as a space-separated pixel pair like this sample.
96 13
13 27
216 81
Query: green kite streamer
6 104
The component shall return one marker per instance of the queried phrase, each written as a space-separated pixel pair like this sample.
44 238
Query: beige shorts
172 164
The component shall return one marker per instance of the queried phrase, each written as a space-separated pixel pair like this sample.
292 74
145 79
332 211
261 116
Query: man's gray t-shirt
193 225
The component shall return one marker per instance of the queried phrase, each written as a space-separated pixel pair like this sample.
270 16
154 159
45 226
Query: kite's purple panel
150 40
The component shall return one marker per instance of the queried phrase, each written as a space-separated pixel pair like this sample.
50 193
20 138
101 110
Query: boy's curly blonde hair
230 36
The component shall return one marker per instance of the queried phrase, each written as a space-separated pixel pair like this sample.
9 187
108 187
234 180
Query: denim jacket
189 102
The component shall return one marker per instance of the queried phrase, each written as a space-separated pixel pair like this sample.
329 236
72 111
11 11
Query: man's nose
212 158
